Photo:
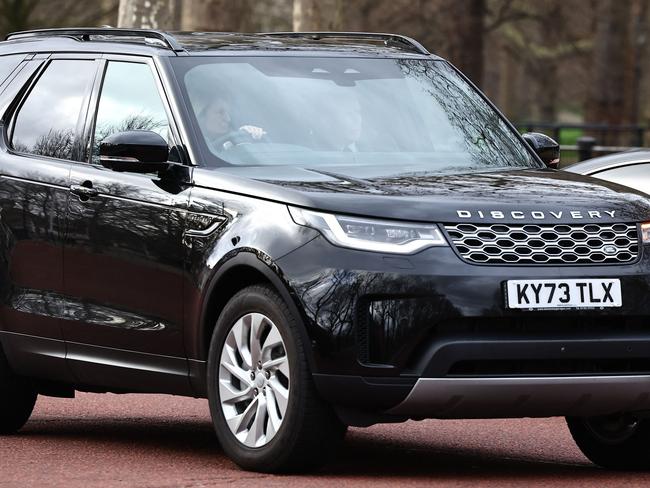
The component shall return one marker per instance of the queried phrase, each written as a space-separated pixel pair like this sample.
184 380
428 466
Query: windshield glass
316 112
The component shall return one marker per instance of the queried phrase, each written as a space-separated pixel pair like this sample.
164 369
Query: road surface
164 441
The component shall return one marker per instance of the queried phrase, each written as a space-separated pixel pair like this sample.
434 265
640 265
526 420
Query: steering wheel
236 137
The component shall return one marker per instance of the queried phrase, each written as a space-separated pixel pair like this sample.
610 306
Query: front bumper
429 335
584 396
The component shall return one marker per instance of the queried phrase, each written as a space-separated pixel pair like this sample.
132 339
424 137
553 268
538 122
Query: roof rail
84 34
387 38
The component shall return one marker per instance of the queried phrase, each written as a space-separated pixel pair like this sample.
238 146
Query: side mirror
140 151
546 148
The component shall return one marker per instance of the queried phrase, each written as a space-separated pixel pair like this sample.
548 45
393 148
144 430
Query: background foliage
544 60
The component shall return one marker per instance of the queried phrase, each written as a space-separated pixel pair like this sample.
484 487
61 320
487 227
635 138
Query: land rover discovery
313 231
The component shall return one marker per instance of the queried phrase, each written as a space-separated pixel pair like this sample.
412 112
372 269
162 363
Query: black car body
116 277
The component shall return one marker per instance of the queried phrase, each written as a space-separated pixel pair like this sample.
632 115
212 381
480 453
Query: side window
129 100
635 176
8 64
48 121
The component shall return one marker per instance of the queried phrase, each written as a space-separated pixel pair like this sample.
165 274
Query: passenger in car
351 123
352 134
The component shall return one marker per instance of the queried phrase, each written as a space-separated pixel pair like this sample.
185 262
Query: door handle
85 190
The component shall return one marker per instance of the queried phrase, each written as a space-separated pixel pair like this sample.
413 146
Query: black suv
314 231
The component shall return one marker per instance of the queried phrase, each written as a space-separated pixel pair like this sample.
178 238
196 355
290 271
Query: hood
508 196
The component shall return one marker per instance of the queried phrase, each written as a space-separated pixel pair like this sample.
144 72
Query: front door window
129 101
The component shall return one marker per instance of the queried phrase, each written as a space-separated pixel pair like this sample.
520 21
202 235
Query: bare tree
150 14
539 57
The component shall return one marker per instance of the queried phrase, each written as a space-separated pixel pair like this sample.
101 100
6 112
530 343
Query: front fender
254 235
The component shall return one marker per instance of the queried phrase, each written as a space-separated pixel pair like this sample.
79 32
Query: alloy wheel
612 429
254 380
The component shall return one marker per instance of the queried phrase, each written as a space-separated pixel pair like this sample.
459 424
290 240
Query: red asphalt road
164 441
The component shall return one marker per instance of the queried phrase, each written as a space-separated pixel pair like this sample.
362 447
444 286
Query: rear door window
8 64
49 121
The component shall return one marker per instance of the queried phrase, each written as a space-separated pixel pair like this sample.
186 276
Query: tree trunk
547 83
107 12
607 94
636 62
272 15
217 15
317 15
505 95
150 14
546 68
465 34
644 76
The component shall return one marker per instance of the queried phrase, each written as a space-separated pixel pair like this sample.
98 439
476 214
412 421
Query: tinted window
47 123
8 64
129 101
635 176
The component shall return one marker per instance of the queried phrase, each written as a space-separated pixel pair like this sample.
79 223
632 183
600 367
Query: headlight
371 234
645 232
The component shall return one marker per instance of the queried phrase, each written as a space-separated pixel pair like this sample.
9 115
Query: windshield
417 115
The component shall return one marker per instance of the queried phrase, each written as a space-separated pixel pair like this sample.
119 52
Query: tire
309 429
17 399
617 442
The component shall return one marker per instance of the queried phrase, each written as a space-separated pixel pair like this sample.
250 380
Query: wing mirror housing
545 147
139 151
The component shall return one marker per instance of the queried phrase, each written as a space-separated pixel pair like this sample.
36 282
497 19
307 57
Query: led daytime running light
371 234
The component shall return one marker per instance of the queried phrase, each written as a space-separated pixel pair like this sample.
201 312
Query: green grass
569 137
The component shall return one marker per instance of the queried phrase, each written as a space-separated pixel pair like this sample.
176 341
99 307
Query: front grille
545 243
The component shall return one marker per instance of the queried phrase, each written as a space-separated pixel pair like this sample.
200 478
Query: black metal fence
590 140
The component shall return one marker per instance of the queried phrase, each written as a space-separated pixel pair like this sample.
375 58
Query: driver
216 124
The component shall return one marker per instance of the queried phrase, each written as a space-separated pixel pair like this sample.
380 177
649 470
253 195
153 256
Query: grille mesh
545 243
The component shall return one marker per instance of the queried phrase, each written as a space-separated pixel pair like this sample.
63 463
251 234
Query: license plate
545 294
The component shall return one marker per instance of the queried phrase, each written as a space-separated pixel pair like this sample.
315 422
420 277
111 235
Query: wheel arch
246 268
